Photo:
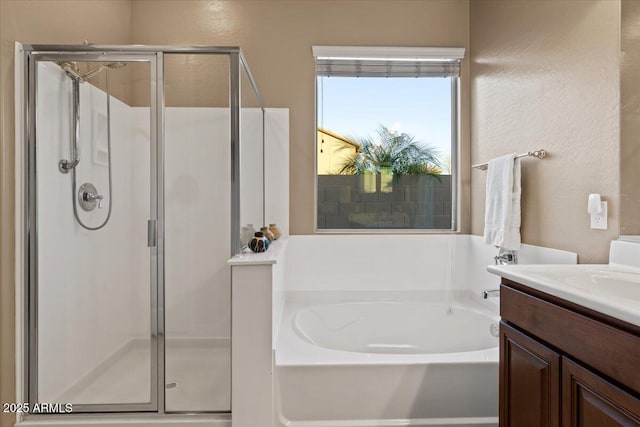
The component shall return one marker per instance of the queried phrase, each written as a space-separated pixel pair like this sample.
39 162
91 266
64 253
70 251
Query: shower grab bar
539 154
72 70
65 165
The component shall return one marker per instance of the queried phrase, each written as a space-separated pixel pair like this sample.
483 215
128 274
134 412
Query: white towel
502 208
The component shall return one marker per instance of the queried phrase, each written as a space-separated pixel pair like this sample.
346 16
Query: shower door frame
32 58
155 56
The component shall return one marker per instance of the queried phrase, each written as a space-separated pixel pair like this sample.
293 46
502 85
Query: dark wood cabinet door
591 401
529 381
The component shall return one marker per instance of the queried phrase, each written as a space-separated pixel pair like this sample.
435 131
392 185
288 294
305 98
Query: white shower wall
251 167
93 295
197 197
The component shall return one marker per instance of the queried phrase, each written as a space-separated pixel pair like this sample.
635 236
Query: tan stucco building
333 151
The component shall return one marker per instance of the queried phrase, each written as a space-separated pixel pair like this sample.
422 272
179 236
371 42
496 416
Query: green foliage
398 151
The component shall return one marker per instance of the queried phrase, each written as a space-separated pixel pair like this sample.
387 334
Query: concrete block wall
414 202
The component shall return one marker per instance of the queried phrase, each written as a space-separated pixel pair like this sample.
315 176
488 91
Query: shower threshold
167 420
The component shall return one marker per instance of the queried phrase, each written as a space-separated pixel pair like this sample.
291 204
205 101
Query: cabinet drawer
611 351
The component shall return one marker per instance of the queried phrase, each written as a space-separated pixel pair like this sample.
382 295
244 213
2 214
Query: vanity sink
607 281
612 289
614 284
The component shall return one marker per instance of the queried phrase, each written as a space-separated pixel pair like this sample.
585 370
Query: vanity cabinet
590 400
529 381
565 365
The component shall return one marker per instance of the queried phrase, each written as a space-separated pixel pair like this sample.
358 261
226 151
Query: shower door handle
151 233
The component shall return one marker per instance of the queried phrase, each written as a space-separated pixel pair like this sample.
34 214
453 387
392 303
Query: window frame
395 54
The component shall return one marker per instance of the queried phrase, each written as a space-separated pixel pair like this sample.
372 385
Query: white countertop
270 256
610 289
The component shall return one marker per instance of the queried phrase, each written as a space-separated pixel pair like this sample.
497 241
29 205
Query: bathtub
420 358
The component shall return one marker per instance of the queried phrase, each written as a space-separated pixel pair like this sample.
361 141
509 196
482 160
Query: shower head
72 69
112 65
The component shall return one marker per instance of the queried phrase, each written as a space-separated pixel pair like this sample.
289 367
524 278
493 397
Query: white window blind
373 61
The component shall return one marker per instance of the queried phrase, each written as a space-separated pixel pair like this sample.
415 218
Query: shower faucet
88 197
491 293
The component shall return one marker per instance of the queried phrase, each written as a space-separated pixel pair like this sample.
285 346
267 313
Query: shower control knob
88 197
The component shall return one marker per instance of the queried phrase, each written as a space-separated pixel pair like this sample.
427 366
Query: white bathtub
397 327
364 336
387 359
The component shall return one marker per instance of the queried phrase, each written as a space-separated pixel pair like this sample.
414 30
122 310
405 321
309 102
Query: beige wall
630 118
276 37
545 75
68 22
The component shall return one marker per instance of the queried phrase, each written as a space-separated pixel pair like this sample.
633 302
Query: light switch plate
599 221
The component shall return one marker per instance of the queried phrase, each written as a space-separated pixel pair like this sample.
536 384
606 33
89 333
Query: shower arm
65 165
94 71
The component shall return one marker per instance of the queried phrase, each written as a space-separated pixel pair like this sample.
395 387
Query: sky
355 107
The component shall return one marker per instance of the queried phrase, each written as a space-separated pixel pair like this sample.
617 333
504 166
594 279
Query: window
386 137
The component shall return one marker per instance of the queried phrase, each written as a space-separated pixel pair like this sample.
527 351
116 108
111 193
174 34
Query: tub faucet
506 257
491 293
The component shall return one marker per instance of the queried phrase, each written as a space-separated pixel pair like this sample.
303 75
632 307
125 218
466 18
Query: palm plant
398 152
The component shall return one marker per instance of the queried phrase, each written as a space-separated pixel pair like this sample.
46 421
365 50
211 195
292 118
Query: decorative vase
246 234
259 243
274 230
268 234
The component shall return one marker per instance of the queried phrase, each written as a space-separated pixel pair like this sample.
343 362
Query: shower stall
141 165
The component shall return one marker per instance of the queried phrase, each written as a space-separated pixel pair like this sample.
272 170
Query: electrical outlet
599 221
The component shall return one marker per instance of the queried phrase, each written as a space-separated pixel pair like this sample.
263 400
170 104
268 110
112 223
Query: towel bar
540 154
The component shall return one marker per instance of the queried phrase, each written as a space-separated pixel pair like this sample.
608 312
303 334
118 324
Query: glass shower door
93 205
